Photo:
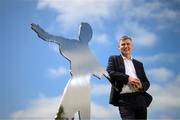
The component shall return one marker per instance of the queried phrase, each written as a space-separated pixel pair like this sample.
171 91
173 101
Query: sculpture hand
34 27
41 33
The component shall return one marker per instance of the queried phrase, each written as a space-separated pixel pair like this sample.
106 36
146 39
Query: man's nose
126 45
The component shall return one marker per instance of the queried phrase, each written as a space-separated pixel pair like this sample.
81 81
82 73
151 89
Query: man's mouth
126 50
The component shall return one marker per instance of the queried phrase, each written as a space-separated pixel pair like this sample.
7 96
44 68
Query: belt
130 94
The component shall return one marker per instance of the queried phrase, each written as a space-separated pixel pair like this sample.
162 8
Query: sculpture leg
85 113
76 97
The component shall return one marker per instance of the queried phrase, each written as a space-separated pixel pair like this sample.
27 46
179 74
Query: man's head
125 45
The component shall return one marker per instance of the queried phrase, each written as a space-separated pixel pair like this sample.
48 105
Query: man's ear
132 46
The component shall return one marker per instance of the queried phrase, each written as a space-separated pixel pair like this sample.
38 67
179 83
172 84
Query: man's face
125 47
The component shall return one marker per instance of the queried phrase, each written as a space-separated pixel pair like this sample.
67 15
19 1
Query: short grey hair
125 37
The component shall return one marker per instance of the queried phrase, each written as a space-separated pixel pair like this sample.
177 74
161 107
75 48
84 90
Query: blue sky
34 74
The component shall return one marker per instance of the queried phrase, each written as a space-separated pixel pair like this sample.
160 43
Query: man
129 82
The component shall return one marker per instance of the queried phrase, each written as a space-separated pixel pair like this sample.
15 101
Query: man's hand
134 83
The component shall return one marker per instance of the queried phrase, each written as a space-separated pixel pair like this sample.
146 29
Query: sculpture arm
46 36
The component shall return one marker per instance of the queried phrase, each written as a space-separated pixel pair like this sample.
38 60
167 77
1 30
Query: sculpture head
85 32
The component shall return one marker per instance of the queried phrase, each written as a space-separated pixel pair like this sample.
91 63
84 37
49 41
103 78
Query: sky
33 73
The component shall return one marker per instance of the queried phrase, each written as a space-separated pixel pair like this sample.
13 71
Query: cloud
101 39
55 48
130 14
161 74
46 108
170 58
165 101
104 112
71 12
41 108
56 72
101 89
138 9
140 35
155 10
165 97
